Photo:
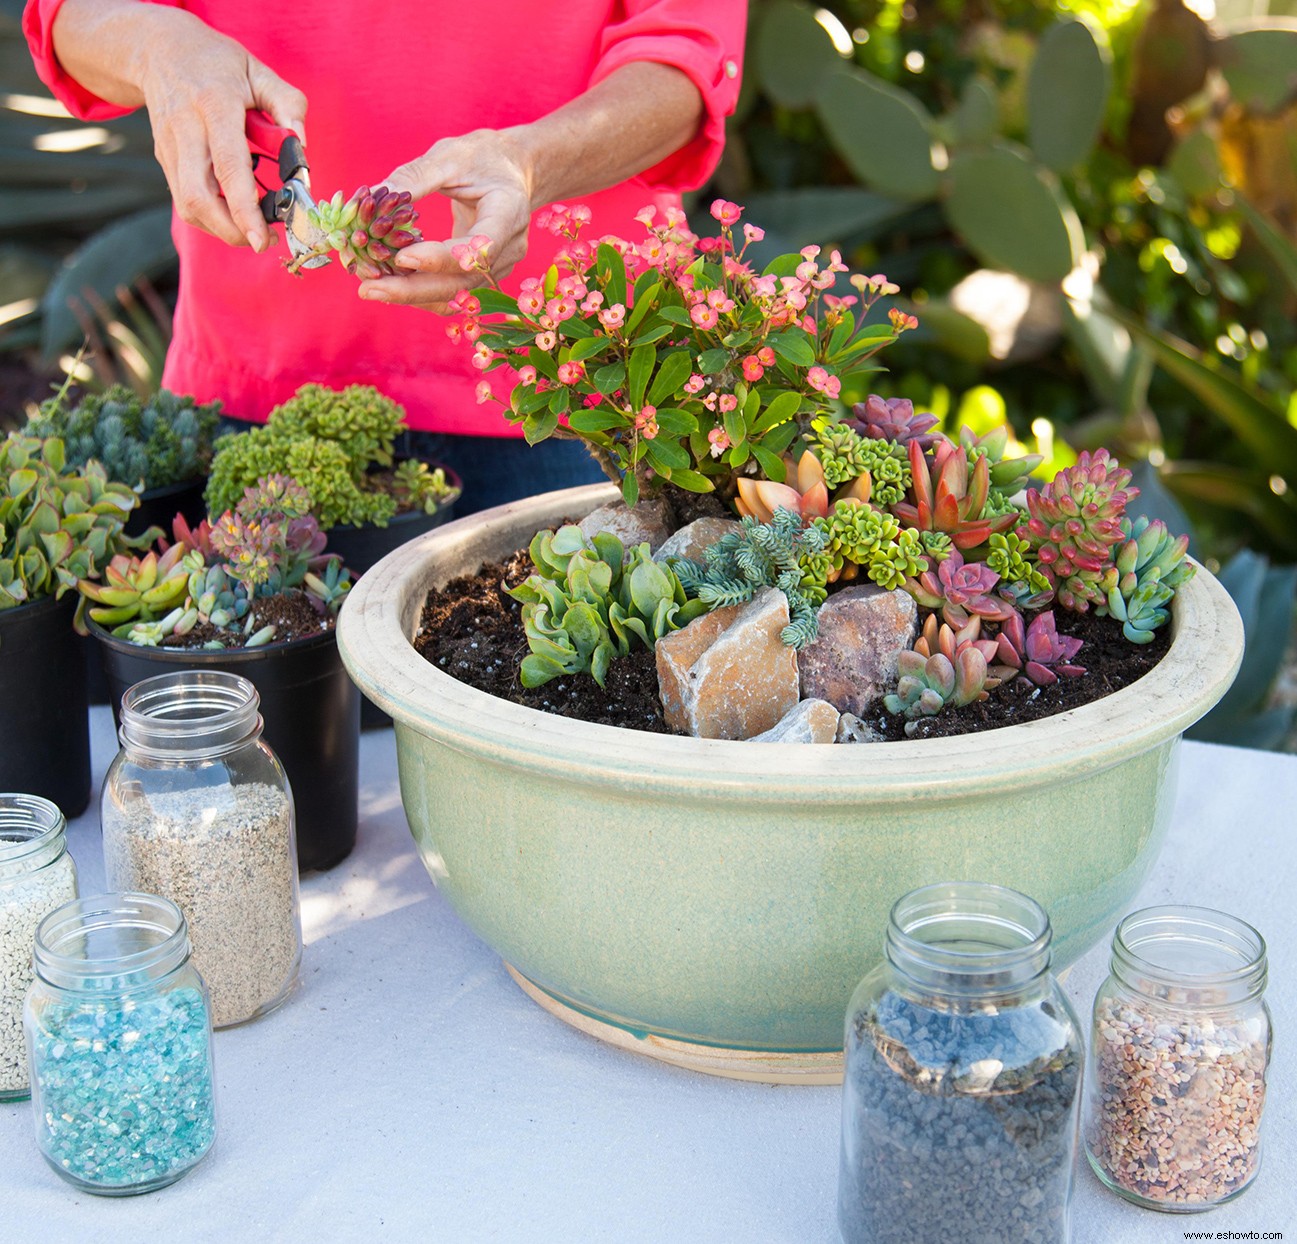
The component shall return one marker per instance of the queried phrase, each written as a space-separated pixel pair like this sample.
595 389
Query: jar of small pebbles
121 1045
36 876
1178 1059
196 808
963 1075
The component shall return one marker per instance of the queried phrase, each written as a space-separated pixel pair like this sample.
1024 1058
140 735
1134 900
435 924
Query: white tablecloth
409 1091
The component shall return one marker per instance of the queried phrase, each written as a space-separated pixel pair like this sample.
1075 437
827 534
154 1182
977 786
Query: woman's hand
197 85
487 177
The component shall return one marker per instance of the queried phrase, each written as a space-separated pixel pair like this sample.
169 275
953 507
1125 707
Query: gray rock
852 730
649 520
690 541
728 675
863 630
808 721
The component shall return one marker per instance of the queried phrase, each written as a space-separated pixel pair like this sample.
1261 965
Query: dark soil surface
292 614
473 631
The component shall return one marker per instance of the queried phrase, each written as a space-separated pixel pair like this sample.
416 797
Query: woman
513 104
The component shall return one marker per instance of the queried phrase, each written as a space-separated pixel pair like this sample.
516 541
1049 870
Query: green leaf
882 132
772 466
543 362
780 410
1283 254
1067 94
1257 62
676 422
677 315
588 348
609 379
536 428
977 116
630 489
673 370
667 456
612 273
713 362
1263 429
1012 214
642 359
691 481
793 344
656 333
1247 493
560 400
644 299
791 52
595 420
496 302
735 428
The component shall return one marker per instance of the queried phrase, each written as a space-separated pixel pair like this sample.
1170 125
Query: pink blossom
720 300
901 321
766 356
752 369
571 373
593 301
646 422
483 356
483 392
531 302
840 304
752 234
580 215
614 316
694 384
809 252
464 302
765 287
818 378
728 402
703 315
646 216
472 328
546 341
675 217
726 212
560 309
710 401
472 255
807 270
455 331
527 374
719 440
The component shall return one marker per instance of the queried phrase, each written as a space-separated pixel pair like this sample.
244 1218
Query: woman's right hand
197 85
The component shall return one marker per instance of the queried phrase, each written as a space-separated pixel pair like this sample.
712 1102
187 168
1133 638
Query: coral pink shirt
384 83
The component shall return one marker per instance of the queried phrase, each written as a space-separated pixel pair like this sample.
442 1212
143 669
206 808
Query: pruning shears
289 202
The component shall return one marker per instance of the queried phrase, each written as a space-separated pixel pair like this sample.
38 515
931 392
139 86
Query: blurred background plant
1091 203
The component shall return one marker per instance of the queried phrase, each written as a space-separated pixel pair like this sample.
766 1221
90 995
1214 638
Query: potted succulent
253 594
705 899
162 446
59 525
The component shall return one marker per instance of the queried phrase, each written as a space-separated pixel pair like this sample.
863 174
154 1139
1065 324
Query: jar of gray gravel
1178 1059
197 808
36 876
963 1076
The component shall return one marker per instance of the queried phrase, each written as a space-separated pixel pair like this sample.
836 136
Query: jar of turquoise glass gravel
120 1040
36 876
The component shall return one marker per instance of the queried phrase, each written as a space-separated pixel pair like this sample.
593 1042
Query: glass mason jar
121 1045
1178 1058
196 808
36 876
963 1074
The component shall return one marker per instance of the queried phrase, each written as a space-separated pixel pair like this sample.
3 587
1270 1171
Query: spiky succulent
1037 652
420 487
761 555
950 496
368 229
1075 526
589 599
884 419
926 685
960 590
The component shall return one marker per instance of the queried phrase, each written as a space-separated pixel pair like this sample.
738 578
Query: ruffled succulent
936 544
1021 583
884 419
852 534
1007 474
890 565
846 455
949 497
780 554
368 229
1036 652
926 685
1075 526
959 590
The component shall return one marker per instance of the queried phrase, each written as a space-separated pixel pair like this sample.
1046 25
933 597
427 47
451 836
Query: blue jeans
496 469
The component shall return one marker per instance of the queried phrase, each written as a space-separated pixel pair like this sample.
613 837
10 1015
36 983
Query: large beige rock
691 541
808 721
728 675
649 520
863 630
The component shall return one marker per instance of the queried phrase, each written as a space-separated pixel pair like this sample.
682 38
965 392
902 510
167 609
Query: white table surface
409 1091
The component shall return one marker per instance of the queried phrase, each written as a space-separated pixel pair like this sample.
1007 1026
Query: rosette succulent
138 589
960 590
950 496
893 419
926 685
1037 652
368 229
1151 565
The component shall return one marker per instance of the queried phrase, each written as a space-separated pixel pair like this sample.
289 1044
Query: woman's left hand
488 179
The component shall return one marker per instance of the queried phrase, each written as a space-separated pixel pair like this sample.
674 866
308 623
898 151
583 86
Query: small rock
808 721
649 520
689 542
728 675
852 730
863 630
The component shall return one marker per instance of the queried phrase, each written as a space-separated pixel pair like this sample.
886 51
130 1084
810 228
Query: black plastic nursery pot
158 506
44 727
311 710
365 546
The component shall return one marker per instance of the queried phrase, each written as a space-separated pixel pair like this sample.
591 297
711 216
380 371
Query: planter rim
379 617
49 602
207 656
168 490
406 516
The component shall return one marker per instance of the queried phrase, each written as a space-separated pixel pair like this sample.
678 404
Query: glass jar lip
189 709
1185 927
76 919
978 907
29 825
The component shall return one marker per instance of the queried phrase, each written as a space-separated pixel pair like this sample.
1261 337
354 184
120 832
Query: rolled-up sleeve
38 27
701 38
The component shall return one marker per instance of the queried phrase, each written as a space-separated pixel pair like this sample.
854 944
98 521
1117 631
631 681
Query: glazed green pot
715 903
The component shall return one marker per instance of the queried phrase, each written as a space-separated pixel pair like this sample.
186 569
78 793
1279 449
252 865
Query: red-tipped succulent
951 498
1037 652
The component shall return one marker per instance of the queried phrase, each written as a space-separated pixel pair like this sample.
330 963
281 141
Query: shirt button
731 69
